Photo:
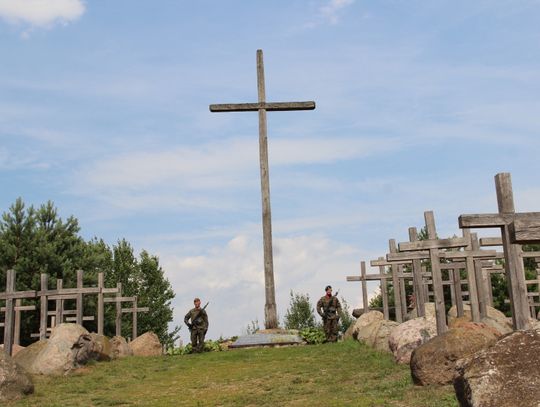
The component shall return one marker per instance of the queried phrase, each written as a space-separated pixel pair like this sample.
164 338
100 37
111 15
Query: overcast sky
104 110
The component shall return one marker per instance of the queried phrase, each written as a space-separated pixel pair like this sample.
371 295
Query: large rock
14 381
495 318
102 347
429 310
146 345
120 348
409 335
366 323
435 361
69 346
504 375
372 329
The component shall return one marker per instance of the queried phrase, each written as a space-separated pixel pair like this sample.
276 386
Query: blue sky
104 110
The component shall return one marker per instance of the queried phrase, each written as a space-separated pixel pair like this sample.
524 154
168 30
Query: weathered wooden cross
134 310
9 296
516 229
262 107
430 249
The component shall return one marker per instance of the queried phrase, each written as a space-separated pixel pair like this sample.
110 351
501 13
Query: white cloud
231 277
41 13
331 10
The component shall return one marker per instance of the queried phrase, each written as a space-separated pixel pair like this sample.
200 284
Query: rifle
196 319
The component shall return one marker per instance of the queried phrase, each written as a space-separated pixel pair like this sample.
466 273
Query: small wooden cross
262 106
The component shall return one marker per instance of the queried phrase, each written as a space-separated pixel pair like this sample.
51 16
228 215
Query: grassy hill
342 374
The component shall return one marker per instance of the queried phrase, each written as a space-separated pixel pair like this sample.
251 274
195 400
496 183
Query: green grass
342 374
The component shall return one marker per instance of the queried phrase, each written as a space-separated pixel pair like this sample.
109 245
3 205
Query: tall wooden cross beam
516 229
262 106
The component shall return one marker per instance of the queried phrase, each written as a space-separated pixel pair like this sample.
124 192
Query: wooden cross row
262 106
516 229
134 310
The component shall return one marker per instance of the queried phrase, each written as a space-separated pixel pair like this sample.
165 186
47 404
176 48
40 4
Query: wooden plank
8 316
384 292
490 241
392 247
513 264
477 254
433 244
440 311
118 319
418 286
364 286
100 305
79 299
268 106
406 256
493 220
132 310
131 299
43 307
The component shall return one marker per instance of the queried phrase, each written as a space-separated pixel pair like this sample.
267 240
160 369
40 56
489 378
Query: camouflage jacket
201 323
329 308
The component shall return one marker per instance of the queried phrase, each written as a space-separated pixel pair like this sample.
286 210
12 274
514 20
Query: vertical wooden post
471 280
8 321
17 325
79 300
438 293
456 279
43 309
59 317
270 305
134 321
480 287
364 287
384 291
513 264
418 285
395 282
100 305
118 319
403 296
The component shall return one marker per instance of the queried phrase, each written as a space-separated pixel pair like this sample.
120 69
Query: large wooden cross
516 229
262 106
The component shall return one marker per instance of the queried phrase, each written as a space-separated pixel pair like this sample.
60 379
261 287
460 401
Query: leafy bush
313 335
300 314
345 316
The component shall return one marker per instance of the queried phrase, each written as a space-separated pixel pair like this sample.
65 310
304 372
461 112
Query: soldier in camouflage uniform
329 308
198 325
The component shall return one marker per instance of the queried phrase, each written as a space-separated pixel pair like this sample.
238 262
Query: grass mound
342 374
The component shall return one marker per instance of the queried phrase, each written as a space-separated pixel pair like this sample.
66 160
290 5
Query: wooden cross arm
369 277
382 262
433 244
396 257
119 299
269 106
88 318
528 255
20 308
493 220
525 231
478 254
140 309
490 241
17 294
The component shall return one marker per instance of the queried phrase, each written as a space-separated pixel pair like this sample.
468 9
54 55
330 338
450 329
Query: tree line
37 240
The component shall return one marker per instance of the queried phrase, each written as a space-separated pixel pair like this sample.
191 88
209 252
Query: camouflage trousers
331 329
197 340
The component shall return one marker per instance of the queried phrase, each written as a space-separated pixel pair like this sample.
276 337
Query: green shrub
300 314
313 336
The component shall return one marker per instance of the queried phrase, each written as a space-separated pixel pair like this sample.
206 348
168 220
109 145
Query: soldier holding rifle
329 308
198 325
